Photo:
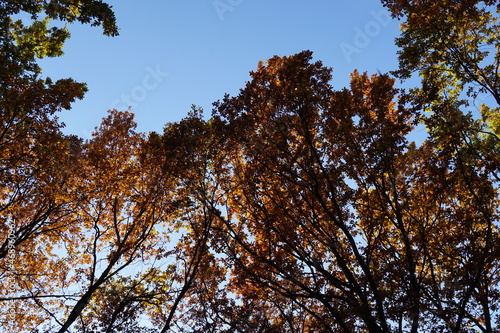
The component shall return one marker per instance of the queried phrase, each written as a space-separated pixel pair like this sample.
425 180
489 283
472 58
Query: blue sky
175 53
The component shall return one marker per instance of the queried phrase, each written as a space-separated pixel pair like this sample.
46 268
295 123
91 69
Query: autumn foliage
294 207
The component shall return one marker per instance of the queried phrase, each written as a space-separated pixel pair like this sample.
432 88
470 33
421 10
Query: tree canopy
293 207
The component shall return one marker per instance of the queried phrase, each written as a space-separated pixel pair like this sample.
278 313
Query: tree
37 162
34 154
452 44
191 150
77 215
22 44
110 263
330 209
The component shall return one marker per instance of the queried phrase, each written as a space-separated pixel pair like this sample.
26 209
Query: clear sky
174 53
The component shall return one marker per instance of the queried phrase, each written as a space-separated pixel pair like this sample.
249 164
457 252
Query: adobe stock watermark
223 6
152 80
10 278
363 37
